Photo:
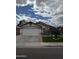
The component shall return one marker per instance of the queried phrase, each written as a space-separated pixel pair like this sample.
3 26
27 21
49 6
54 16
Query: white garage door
31 32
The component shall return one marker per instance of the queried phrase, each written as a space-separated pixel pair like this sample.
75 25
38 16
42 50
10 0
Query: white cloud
50 8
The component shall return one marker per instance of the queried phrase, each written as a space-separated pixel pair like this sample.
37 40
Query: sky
47 11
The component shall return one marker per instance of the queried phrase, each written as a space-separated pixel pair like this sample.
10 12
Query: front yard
52 39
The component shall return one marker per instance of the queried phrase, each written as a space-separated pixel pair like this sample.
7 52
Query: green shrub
52 39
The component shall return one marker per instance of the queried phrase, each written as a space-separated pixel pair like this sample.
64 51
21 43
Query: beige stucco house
31 32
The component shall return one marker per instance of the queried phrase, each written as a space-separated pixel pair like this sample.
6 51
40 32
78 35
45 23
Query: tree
54 31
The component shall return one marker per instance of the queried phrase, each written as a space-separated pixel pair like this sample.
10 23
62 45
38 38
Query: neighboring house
33 32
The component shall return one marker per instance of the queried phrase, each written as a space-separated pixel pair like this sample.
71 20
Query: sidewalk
39 44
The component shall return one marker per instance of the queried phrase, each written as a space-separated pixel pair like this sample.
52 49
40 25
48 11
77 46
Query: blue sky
28 11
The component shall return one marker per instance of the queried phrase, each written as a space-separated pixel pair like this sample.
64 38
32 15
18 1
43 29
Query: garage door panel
31 32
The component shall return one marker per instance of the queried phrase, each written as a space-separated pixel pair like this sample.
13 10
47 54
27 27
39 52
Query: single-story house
33 32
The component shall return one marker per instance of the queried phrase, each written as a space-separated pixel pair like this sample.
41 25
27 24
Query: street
40 53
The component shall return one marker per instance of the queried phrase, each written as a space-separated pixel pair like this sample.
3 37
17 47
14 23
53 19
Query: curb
38 45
